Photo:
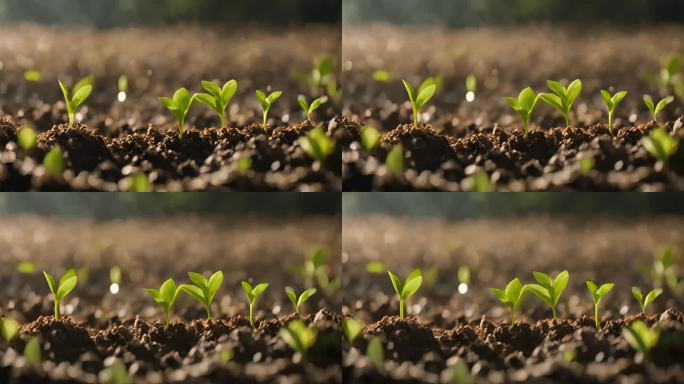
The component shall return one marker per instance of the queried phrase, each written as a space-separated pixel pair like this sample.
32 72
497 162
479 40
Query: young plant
418 99
253 294
299 336
641 337
511 296
656 108
317 144
298 301
203 290
524 106
79 93
549 290
165 297
407 288
352 329
9 329
650 297
179 105
218 98
60 290
562 98
309 109
660 145
267 101
598 293
611 102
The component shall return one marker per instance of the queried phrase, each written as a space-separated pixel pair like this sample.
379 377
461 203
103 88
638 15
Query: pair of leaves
597 293
65 285
660 144
410 285
166 295
641 337
77 96
655 108
612 101
650 297
303 297
299 336
419 98
203 290
179 105
524 105
351 328
562 98
317 144
310 108
267 101
253 293
217 98
511 295
547 289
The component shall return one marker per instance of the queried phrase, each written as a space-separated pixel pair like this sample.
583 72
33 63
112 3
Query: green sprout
203 290
32 76
309 109
664 269
370 138
9 329
611 102
381 76
79 93
317 144
139 182
407 288
376 267
376 353
218 98
165 297
26 267
352 329
26 138
395 160
53 162
650 297
549 290
511 296
63 288
418 99
598 293
656 108
524 106
179 105
267 101
299 336
562 98
660 145
253 294
641 337
298 301
32 352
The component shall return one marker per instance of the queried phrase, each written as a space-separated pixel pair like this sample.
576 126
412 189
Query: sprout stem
553 310
56 310
610 122
567 120
596 317
401 309
415 117
251 317
208 312
166 319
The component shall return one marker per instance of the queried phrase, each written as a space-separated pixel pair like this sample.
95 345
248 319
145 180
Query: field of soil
118 139
460 139
448 325
99 328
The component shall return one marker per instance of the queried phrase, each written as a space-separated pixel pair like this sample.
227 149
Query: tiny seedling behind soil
549 290
511 296
78 95
611 102
303 297
598 293
9 329
418 99
218 98
165 297
317 144
299 336
253 294
179 105
63 288
203 290
524 106
26 138
352 329
641 337
407 288
53 162
395 160
562 98
267 101
645 301
370 138
656 108
309 109
660 145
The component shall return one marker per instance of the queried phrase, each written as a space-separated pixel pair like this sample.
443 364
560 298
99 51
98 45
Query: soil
118 139
459 139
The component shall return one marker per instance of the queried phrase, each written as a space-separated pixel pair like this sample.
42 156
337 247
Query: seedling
549 290
598 293
298 301
32 352
660 145
511 296
26 138
370 138
218 98
352 329
418 99
267 101
611 102
79 93
524 106
309 109
656 108
562 98
53 162
407 288
375 353
179 105
165 297
9 328
299 336
317 144
203 290
395 161
648 299
253 294
664 270
63 288
641 337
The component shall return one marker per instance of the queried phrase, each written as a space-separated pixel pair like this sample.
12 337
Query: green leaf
370 138
409 91
259 289
302 103
543 279
65 92
229 90
396 283
663 103
209 101
168 291
513 102
557 88
26 138
638 296
574 90
425 95
471 83
306 295
54 162
51 283
592 287
606 98
395 160
652 296
375 353
604 289
195 292
527 99
375 267
381 76
514 290
500 294
247 287
559 285
81 95
26 267
541 292
139 183
618 97
273 97
215 282
168 103
211 88
66 287
198 279
291 295
88 81
411 286
261 96
649 104
32 76
553 100
317 103
33 353
351 328
9 328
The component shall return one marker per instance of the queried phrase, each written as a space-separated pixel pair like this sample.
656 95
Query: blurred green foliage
459 13
111 13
